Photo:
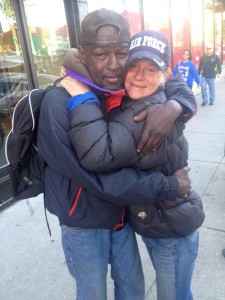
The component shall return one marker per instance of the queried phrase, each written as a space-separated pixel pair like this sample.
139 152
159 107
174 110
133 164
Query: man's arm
195 75
218 65
125 186
160 118
200 65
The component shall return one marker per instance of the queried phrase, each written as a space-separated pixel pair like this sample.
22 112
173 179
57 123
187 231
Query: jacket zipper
75 201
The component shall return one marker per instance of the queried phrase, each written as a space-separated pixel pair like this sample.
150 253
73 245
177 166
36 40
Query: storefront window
218 28
208 22
128 8
223 38
196 16
180 27
13 79
157 21
49 41
48 35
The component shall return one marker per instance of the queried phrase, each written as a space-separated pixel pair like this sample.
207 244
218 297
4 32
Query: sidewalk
32 264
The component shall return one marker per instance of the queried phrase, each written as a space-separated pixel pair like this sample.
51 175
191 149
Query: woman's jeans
88 252
211 83
173 260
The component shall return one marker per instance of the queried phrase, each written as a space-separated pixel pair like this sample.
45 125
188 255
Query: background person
209 67
187 70
89 206
103 146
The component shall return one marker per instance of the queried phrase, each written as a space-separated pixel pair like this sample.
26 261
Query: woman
187 70
168 229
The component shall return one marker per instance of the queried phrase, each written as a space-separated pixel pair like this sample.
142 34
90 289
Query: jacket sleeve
175 70
103 146
177 89
195 74
218 65
123 186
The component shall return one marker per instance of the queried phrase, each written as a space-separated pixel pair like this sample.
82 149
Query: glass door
13 79
47 27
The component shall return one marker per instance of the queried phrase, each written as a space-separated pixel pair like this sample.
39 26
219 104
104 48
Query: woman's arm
175 70
195 74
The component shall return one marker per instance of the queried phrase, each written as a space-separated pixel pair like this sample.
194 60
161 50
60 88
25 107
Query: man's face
142 79
209 50
106 62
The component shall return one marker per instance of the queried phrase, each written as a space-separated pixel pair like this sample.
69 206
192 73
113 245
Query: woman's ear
167 72
163 76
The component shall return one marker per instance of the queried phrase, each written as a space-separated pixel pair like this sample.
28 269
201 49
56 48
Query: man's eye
100 54
122 54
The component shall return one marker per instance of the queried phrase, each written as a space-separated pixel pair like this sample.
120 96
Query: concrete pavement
32 264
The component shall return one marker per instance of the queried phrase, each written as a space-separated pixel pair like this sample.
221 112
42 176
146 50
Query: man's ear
81 67
82 55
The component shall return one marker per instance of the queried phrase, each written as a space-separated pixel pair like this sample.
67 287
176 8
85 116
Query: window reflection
128 8
157 21
49 40
48 35
196 24
218 28
180 27
13 80
208 22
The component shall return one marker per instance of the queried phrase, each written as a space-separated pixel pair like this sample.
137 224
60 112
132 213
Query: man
90 206
209 67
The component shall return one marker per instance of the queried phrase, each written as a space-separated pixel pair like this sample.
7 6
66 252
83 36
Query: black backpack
26 168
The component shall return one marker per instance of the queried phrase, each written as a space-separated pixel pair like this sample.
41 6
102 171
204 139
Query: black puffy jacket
84 199
95 200
102 146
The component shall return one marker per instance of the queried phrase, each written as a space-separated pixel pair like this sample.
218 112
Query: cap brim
147 55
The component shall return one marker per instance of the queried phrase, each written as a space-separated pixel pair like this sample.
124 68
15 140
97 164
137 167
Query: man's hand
184 181
159 121
62 73
73 86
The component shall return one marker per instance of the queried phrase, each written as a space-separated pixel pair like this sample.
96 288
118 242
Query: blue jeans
211 83
88 252
173 260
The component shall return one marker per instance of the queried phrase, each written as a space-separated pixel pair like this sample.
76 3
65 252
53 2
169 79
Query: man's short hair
209 46
101 17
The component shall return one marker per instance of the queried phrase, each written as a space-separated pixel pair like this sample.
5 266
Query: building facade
34 35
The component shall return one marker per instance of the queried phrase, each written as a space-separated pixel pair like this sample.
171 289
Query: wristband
88 97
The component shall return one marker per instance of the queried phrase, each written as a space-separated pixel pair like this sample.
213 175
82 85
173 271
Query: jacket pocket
76 200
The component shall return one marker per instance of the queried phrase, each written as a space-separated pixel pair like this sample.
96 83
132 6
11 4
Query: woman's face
185 55
142 79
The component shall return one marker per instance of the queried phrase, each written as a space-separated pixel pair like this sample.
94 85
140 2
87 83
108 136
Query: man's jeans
88 252
173 260
211 83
